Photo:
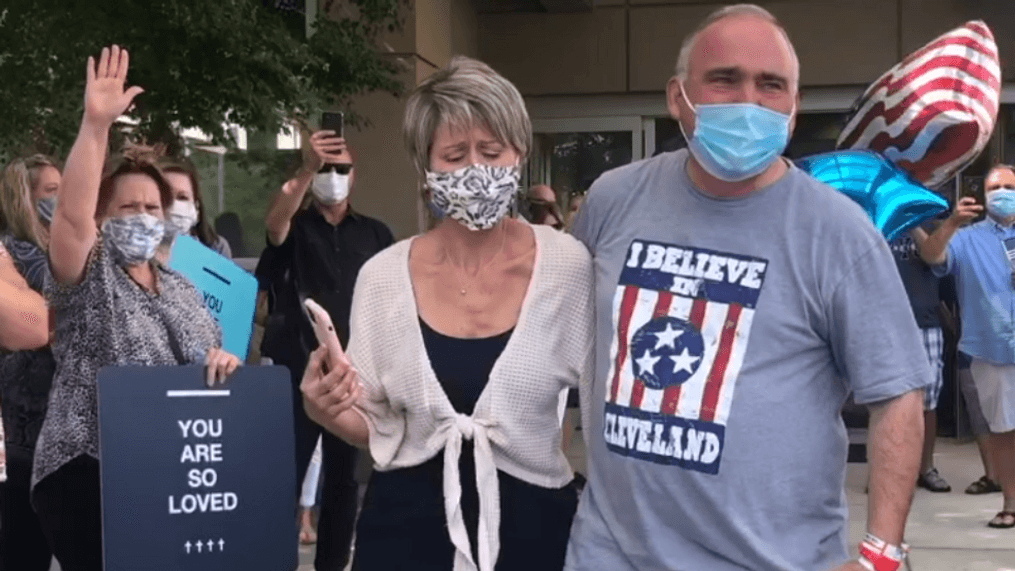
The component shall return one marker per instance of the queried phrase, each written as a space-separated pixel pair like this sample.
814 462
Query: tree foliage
201 63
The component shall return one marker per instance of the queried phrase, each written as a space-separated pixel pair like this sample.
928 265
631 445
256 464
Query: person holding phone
317 243
462 340
981 256
114 305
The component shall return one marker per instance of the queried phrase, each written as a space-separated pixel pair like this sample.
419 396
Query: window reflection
577 159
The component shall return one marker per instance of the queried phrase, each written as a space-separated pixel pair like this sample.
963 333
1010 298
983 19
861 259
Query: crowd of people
709 310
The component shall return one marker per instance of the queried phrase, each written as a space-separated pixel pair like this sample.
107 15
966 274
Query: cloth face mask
736 141
134 238
330 187
477 196
46 207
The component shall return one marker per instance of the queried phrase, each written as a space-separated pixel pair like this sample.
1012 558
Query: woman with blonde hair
463 339
28 190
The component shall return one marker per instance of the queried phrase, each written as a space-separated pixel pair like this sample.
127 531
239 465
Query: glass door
569 154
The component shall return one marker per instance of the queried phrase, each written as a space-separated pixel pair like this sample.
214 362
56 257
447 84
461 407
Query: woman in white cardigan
461 342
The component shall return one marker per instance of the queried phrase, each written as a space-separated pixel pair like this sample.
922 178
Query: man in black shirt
923 289
316 247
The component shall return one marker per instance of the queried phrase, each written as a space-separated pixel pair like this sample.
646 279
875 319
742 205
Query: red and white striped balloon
933 113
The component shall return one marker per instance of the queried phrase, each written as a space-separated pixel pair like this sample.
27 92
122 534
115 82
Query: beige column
387 187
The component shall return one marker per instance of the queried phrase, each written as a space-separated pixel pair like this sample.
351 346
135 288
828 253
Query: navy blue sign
196 478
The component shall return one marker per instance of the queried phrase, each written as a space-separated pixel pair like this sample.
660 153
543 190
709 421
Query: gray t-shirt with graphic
724 328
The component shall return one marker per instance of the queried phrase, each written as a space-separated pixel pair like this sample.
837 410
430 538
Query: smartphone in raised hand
334 122
324 330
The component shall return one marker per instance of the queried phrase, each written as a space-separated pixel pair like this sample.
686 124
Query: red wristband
880 555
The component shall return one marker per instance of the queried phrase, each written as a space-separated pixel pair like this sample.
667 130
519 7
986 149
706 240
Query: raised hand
105 97
325 147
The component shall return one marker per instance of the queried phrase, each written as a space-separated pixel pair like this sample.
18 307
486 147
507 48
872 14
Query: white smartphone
324 330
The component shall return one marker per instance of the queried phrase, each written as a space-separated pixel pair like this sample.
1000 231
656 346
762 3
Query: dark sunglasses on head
340 168
539 209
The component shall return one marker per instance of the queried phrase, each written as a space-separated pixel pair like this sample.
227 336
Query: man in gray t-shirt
734 292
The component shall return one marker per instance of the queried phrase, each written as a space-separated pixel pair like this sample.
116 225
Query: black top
922 286
462 365
25 376
320 261
403 523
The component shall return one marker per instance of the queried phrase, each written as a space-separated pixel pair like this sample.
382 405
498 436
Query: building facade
593 73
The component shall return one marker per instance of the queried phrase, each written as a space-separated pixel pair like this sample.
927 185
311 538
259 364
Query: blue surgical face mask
1001 203
133 238
736 141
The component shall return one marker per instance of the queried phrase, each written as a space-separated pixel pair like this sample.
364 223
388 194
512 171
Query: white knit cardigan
514 427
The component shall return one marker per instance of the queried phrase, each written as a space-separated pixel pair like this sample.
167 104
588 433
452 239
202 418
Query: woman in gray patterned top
114 306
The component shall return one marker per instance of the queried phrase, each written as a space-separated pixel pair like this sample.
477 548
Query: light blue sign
229 291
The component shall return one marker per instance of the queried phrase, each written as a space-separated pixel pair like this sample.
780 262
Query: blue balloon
895 202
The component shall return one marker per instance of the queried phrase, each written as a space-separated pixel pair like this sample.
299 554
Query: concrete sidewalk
947 532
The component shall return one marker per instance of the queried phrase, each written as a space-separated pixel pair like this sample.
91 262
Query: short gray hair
463 94
683 60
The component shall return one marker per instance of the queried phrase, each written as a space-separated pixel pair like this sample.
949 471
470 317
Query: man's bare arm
896 441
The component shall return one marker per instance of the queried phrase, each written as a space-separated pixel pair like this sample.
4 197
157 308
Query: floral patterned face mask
477 196
134 238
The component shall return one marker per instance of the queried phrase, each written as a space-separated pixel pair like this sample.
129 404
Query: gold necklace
461 288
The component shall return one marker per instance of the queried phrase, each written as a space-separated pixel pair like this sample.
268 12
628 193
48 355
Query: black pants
339 497
68 503
23 545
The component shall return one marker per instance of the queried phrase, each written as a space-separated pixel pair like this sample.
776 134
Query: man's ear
796 113
674 96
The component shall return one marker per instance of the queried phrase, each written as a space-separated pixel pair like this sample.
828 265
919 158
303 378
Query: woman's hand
219 365
105 97
326 396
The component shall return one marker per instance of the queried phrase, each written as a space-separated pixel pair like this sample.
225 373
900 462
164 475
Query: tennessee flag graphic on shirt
682 319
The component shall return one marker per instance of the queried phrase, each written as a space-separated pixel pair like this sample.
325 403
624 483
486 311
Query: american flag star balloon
932 113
